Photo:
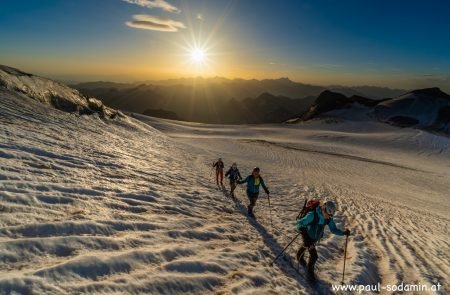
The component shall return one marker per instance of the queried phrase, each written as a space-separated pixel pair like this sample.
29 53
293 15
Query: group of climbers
310 223
253 181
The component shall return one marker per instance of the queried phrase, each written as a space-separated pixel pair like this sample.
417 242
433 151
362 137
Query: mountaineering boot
312 261
301 256
311 275
250 211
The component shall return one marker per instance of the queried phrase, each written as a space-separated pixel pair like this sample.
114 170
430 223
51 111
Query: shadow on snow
285 263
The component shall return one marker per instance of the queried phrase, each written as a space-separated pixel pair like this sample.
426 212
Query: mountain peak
326 101
265 94
434 91
284 80
328 96
13 71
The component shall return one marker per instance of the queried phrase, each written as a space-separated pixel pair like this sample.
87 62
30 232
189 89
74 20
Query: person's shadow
285 263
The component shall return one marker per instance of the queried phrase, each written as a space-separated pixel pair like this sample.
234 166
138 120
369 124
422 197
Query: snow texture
95 206
423 108
51 93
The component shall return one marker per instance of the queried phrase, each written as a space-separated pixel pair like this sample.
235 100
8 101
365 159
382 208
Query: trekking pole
276 258
270 211
345 257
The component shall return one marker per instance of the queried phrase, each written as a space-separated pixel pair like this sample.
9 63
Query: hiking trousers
252 197
219 176
308 244
233 186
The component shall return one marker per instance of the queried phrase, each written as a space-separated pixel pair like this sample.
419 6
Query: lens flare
198 55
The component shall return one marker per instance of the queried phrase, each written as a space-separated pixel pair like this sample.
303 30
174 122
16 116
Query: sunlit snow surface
114 206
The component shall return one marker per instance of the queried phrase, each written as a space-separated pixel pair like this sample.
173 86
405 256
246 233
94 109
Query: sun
198 55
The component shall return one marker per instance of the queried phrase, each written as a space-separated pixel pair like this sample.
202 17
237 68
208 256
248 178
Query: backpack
234 175
308 206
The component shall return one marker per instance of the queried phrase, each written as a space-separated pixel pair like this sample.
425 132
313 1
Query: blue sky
395 43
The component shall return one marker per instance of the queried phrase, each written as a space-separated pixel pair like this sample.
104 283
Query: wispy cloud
328 66
436 77
272 63
155 23
162 4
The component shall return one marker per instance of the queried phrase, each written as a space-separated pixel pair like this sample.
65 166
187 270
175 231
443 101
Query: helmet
234 165
329 207
256 169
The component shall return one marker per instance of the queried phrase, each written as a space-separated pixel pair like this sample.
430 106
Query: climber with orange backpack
311 227
311 222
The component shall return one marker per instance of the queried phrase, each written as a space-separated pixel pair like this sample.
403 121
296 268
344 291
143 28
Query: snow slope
112 206
391 185
424 108
91 205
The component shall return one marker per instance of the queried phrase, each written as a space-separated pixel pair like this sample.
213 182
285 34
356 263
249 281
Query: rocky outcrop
52 93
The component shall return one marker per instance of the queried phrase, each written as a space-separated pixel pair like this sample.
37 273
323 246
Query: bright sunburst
198 55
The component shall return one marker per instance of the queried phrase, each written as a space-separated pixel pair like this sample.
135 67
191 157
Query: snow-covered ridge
427 109
424 108
52 93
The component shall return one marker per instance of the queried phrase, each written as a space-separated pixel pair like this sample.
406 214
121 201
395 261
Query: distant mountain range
222 88
220 100
427 109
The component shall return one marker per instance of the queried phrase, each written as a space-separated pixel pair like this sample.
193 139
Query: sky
399 44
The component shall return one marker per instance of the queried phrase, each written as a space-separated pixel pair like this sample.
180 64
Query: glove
347 232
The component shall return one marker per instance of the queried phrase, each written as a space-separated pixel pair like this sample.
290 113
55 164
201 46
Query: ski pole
270 211
345 257
299 216
276 258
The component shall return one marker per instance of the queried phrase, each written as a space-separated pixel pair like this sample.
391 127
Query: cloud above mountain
162 4
155 23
